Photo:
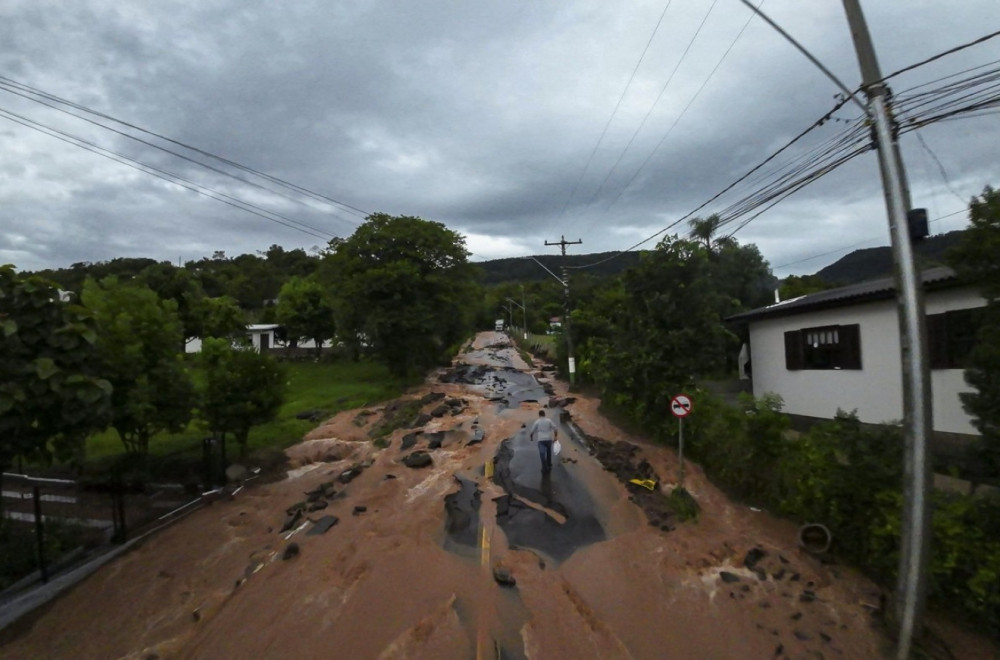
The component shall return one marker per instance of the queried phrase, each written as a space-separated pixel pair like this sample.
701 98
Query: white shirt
543 430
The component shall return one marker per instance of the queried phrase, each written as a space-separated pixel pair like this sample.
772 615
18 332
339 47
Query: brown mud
385 582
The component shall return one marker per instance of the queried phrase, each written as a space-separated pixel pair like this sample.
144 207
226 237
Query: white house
262 338
841 349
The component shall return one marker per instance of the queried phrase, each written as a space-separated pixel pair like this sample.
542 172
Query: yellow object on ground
648 484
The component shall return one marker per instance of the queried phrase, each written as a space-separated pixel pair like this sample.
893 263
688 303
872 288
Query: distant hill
873 263
524 269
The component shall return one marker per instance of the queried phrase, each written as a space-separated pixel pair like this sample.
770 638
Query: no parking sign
680 405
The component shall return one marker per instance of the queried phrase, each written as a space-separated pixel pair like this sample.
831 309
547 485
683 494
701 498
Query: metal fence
98 513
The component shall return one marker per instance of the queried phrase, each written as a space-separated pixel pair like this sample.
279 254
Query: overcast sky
480 114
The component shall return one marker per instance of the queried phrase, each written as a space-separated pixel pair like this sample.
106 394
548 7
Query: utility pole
913 563
562 243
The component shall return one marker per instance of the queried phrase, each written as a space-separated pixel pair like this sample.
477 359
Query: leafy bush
848 476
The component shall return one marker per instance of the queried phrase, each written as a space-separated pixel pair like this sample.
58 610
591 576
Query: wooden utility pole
562 243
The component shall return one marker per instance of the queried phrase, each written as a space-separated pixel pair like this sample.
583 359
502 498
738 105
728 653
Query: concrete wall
875 390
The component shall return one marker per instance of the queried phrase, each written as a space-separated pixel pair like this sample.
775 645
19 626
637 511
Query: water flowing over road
445 540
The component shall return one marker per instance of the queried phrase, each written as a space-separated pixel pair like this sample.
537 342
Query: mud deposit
456 547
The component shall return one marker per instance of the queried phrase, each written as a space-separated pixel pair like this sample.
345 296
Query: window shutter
850 341
937 341
793 350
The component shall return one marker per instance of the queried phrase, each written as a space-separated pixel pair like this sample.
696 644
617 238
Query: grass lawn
327 386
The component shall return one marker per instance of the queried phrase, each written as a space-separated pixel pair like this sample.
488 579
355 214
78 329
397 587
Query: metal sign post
680 406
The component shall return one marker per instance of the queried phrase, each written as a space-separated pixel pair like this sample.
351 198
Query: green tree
975 258
703 231
220 317
52 395
403 287
794 286
180 286
242 389
138 336
666 328
305 309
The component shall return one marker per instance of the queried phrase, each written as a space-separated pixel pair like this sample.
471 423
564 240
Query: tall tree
305 309
138 339
52 394
666 329
975 258
242 389
180 286
703 231
403 286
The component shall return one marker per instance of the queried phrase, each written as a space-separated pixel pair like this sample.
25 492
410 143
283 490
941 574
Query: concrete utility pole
913 563
562 243
917 420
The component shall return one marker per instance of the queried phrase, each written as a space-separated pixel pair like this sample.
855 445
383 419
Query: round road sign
680 405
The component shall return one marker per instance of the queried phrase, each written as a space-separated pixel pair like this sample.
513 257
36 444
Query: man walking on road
544 430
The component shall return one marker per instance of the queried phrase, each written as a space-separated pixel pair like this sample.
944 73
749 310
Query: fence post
40 533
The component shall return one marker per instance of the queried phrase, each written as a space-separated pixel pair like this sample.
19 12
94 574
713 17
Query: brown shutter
793 350
937 341
850 346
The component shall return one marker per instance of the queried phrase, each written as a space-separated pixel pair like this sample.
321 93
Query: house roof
881 289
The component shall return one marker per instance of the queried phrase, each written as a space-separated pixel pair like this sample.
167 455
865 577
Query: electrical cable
166 176
843 101
969 97
940 166
683 112
615 111
24 89
654 104
943 54
855 245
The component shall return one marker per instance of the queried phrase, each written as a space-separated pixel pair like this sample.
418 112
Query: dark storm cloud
479 115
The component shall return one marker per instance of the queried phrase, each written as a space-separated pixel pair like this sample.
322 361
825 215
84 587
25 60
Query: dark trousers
545 453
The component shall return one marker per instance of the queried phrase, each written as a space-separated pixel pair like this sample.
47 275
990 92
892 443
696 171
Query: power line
940 166
943 54
615 111
654 104
822 120
681 115
166 176
846 147
848 247
28 92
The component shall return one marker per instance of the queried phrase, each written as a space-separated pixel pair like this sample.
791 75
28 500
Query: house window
826 347
951 337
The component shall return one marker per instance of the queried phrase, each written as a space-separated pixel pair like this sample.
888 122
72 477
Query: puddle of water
507 615
553 514
462 518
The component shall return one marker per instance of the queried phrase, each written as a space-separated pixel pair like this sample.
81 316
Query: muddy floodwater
451 543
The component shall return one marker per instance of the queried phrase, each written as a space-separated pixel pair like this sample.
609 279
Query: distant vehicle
499 325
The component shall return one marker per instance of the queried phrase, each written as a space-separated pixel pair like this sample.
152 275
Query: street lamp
524 316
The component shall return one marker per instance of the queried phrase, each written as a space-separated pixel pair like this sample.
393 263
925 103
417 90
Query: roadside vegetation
101 378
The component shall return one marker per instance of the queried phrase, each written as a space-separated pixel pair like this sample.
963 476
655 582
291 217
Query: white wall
875 390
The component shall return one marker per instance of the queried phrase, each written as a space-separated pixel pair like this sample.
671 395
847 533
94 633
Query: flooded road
449 542
551 513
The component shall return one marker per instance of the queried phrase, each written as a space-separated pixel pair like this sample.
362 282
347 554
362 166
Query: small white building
840 349
263 338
